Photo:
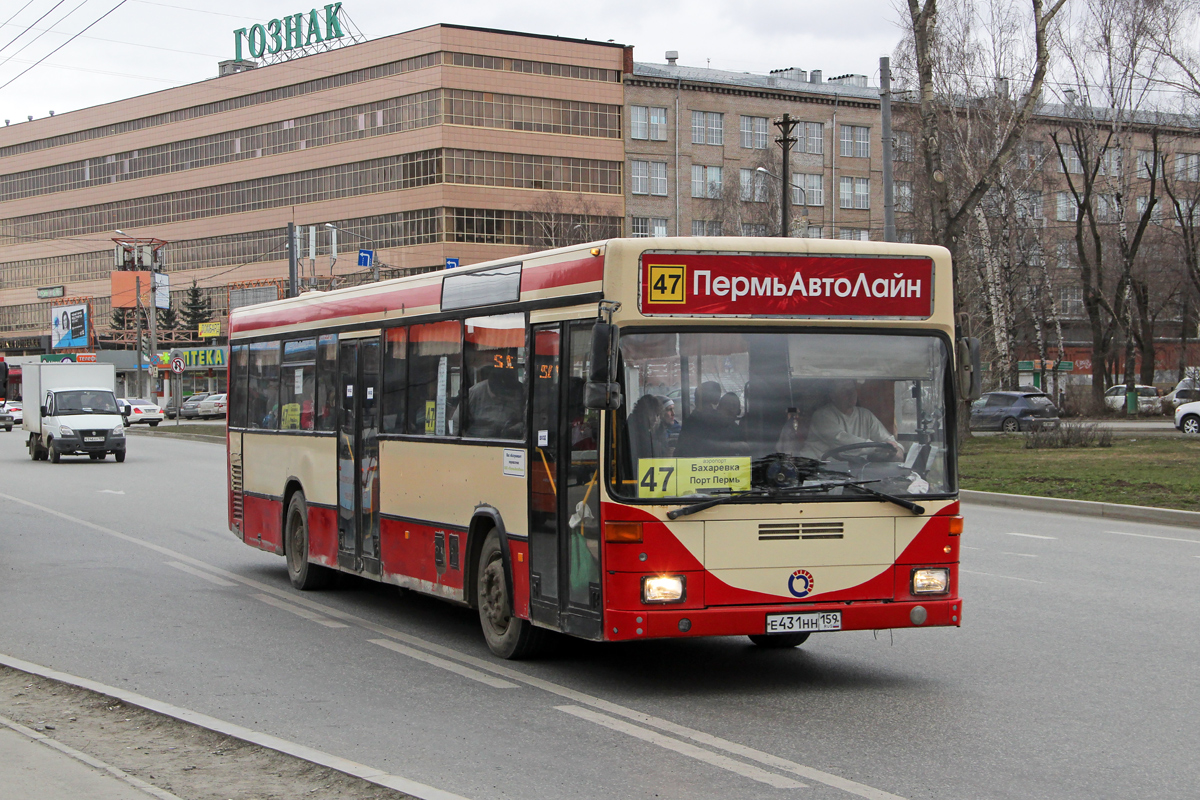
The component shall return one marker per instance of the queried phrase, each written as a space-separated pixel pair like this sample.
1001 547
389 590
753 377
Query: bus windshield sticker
681 477
771 285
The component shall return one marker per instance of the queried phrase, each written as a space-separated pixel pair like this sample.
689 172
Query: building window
853 234
1065 255
639 122
854 193
708 127
706 227
1155 213
753 229
1187 166
1070 301
903 151
658 226
1146 160
658 178
658 124
1067 211
904 196
639 227
856 141
753 185
815 232
1030 208
698 227
814 138
706 181
639 177
1068 153
754 133
813 186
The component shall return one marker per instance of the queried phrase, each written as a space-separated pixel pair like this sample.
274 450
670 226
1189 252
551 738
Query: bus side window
238 359
298 385
434 373
262 401
395 377
327 400
494 353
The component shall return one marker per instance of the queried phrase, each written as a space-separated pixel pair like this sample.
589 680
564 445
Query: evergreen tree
197 308
168 320
122 319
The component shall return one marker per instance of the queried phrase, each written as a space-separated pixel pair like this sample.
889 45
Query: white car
13 409
1148 400
1187 418
144 412
214 405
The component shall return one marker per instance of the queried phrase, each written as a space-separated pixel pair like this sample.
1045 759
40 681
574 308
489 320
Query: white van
76 411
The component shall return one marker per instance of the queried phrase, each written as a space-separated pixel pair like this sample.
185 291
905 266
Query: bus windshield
781 415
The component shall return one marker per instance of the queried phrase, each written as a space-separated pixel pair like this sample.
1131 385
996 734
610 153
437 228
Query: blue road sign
366 258
451 263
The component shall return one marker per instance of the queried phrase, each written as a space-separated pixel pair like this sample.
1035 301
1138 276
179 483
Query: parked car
6 421
137 411
1149 401
1186 391
213 406
190 407
13 409
1187 418
1013 411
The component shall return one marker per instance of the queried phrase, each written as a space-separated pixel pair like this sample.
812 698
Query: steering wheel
847 448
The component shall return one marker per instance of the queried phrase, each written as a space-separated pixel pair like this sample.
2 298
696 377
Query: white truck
72 409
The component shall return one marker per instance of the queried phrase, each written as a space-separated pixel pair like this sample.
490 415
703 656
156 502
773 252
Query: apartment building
438 143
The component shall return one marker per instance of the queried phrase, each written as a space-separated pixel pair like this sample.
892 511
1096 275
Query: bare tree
560 220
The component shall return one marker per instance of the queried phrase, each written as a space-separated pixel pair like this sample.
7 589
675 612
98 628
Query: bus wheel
507 635
778 641
303 574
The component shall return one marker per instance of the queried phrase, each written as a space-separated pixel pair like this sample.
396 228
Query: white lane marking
968 547
1148 536
110 491
750 753
459 669
994 575
298 611
1030 535
91 761
683 748
303 752
199 573
1022 555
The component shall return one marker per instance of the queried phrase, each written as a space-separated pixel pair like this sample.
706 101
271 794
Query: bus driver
842 421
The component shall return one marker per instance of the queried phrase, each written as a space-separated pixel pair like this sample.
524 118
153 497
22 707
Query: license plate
799 623
93 439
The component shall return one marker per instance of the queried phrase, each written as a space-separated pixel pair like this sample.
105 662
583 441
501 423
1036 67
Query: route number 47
657 477
667 284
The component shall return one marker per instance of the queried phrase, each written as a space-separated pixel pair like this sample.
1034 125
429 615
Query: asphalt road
1075 675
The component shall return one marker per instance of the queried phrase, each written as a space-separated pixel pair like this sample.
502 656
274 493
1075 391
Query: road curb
1085 508
191 437
265 740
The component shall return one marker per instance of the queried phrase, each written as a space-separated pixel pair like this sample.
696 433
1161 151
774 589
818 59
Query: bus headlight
931 581
664 589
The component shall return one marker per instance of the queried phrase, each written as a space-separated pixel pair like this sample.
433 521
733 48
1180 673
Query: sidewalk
30 769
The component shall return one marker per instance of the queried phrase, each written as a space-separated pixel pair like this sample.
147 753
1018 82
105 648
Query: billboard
125 285
69 326
162 290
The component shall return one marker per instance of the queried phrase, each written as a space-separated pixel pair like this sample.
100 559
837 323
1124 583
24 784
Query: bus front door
358 455
564 499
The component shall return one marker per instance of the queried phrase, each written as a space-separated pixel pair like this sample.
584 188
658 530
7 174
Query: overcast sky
146 45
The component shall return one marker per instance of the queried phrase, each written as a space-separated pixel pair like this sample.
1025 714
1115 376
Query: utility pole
137 316
786 140
151 316
293 256
885 110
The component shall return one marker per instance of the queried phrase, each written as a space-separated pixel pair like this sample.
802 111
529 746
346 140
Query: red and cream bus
623 440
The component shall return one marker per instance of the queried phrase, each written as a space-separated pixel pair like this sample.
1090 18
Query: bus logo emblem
801 583
668 283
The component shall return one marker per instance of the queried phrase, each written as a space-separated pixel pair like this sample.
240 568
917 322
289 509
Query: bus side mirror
601 391
970 377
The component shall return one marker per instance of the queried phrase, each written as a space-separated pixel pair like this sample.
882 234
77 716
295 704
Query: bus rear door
358 455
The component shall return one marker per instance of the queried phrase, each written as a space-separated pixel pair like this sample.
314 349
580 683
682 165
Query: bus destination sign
785 286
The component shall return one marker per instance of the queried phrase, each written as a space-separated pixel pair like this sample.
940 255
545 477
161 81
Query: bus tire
304 575
779 641
507 635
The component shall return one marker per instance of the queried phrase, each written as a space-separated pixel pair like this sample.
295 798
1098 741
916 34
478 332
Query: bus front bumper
664 623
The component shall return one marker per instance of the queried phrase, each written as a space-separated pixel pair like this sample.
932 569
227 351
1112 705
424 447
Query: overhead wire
30 25
42 33
64 44
28 3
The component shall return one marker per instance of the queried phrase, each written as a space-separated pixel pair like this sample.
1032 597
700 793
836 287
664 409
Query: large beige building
443 142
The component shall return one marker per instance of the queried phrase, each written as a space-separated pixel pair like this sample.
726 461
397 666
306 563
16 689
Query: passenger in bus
708 431
671 423
731 406
842 421
496 405
647 436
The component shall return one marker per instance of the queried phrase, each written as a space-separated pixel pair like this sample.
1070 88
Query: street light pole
786 140
800 189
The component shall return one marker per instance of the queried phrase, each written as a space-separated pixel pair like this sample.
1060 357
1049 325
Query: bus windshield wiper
891 498
676 513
